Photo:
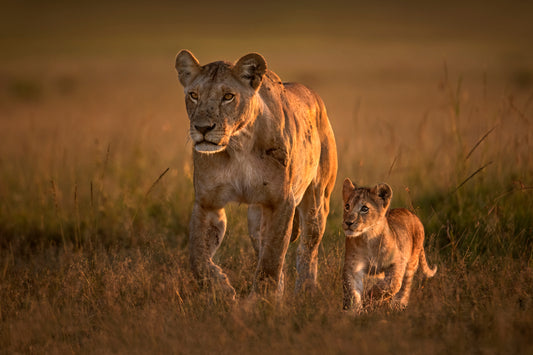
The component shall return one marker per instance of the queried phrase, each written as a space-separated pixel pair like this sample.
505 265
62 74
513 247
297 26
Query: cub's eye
228 97
347 206
193 95
364 209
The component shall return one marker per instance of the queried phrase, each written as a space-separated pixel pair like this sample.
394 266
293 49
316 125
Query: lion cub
380 240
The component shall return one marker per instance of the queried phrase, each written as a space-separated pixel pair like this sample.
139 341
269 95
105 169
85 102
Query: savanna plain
96 177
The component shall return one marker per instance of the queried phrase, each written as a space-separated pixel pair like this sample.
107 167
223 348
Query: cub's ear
187 66
384 191
347 188
250 69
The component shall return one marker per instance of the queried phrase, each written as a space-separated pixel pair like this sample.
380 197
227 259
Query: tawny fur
264 143
379 240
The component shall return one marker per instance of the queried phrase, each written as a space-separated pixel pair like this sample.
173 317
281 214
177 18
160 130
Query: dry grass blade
521 188
393 164
146 196
58 214
92 195
521 114
155 182
77 230
471 176
479 142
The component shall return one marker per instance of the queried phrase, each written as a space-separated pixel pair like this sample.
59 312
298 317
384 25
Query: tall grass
94 242
96 191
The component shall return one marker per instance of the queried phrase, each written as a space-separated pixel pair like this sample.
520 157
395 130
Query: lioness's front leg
276 228
206 233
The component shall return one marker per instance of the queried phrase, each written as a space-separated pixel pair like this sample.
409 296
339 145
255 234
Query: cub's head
220 97
364 208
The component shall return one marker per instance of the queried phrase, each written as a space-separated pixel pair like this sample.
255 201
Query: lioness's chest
250 178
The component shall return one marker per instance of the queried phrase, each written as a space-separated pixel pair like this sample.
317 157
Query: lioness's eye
347 206
228 96
364 209
193 95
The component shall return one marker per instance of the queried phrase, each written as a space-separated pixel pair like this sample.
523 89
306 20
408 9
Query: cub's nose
348 224
205 129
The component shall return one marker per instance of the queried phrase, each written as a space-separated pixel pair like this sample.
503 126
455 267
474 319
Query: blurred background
433 97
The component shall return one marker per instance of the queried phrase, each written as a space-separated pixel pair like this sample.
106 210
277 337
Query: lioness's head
364 207
220 97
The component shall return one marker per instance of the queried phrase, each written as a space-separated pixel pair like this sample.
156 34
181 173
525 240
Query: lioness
380 240
264 143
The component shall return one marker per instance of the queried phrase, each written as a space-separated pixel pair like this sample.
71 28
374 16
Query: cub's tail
424 264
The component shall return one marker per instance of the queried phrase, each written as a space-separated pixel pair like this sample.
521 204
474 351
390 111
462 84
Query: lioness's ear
347 188
250 69
187 66
384 191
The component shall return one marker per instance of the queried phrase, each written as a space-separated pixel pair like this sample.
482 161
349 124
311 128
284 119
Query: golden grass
93 227
143 300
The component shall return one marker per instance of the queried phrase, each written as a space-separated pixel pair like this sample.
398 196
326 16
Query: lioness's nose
205 129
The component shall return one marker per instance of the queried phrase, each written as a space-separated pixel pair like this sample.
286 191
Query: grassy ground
96 190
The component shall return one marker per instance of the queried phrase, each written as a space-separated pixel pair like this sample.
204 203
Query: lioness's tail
424 265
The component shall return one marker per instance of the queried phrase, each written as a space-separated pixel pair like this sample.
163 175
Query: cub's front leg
353 288
390 285
207 230
354 271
